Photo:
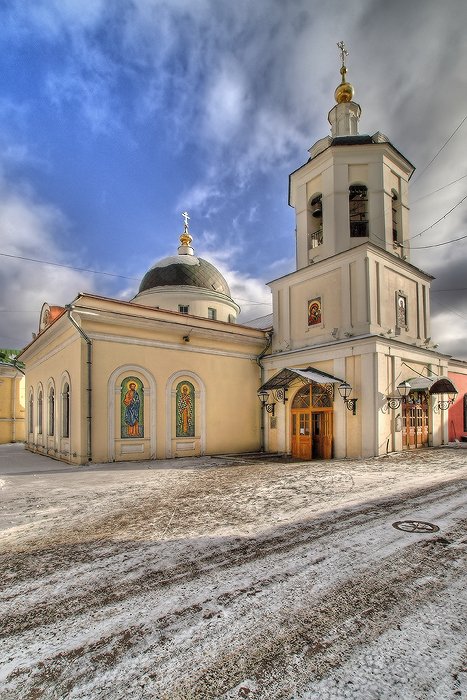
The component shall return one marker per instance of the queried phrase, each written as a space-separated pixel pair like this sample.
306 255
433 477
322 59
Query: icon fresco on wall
185 409
401 311
132 408
314 311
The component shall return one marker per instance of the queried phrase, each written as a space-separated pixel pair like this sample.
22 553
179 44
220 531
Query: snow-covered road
229 578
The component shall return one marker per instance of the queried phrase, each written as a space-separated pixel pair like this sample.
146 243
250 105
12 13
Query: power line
67 267
95 272
448 308
436 245
417 178
414 201
440 219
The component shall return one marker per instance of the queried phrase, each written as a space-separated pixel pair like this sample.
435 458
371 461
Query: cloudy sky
116 115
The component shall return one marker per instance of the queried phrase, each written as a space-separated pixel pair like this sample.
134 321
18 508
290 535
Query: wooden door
415 425
301 434
321 434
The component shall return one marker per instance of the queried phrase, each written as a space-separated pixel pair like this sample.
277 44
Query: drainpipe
13 411
258 362
89 376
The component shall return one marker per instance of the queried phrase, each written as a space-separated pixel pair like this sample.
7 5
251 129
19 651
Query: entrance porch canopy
286 376
435 385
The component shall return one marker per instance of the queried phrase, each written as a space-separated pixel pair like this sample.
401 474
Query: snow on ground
233 578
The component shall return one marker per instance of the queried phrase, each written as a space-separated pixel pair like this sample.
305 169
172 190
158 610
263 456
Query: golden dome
185 238
343 92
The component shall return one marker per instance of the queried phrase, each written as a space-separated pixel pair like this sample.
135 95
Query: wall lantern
444 405
345 390
443 386
263 397
394 402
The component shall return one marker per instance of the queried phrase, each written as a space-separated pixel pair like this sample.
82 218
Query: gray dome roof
185 270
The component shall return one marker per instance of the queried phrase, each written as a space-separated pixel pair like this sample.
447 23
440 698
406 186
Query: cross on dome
185 238
186 220
343 50
344 91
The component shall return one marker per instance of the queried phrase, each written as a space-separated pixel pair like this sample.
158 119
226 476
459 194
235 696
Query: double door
312 434
415 425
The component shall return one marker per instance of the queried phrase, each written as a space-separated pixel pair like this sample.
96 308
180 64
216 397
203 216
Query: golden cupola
343 92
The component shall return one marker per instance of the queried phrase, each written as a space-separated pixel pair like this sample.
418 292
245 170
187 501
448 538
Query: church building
345 367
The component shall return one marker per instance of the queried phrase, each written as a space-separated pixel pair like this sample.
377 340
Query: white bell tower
352 239
352 190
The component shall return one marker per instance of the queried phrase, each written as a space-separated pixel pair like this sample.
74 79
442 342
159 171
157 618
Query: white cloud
31 229
226 103
202 196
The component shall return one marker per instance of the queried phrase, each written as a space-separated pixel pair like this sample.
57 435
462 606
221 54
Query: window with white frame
51 411
66 410
39 412
31 412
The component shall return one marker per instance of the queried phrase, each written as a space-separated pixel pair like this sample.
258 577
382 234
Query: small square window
183 309
212 314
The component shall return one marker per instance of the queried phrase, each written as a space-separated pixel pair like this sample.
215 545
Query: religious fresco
401 310
185 409
314 311
132 408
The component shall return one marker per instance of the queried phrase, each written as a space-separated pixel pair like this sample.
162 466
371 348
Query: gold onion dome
344 92
185 238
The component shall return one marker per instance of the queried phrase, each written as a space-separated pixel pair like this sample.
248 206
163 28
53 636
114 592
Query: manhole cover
415 526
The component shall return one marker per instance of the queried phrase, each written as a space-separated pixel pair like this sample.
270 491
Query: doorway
312 422
415 422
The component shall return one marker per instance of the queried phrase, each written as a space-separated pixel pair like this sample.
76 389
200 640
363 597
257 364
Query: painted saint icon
132 424
185 409
401 311
314 311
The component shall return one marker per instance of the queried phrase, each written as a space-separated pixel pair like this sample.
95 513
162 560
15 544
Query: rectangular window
465 413
212 314
183 309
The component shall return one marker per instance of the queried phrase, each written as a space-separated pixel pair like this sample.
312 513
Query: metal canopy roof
286 376
417 383
443 386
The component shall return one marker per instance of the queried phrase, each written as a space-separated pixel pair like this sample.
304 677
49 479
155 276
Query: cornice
182 346
333 262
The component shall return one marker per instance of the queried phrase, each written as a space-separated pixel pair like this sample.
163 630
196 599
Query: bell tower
353 188
352 240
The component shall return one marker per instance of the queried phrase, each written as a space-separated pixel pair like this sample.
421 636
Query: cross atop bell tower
344 116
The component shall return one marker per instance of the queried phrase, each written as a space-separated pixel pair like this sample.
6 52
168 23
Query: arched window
39 412
313 395
315 222
31 412
358 211
395 208
66 410
51 411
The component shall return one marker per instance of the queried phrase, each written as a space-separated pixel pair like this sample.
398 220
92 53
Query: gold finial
344 92
185 238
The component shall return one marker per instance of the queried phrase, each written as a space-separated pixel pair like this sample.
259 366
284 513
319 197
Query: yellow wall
12 407
160 349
